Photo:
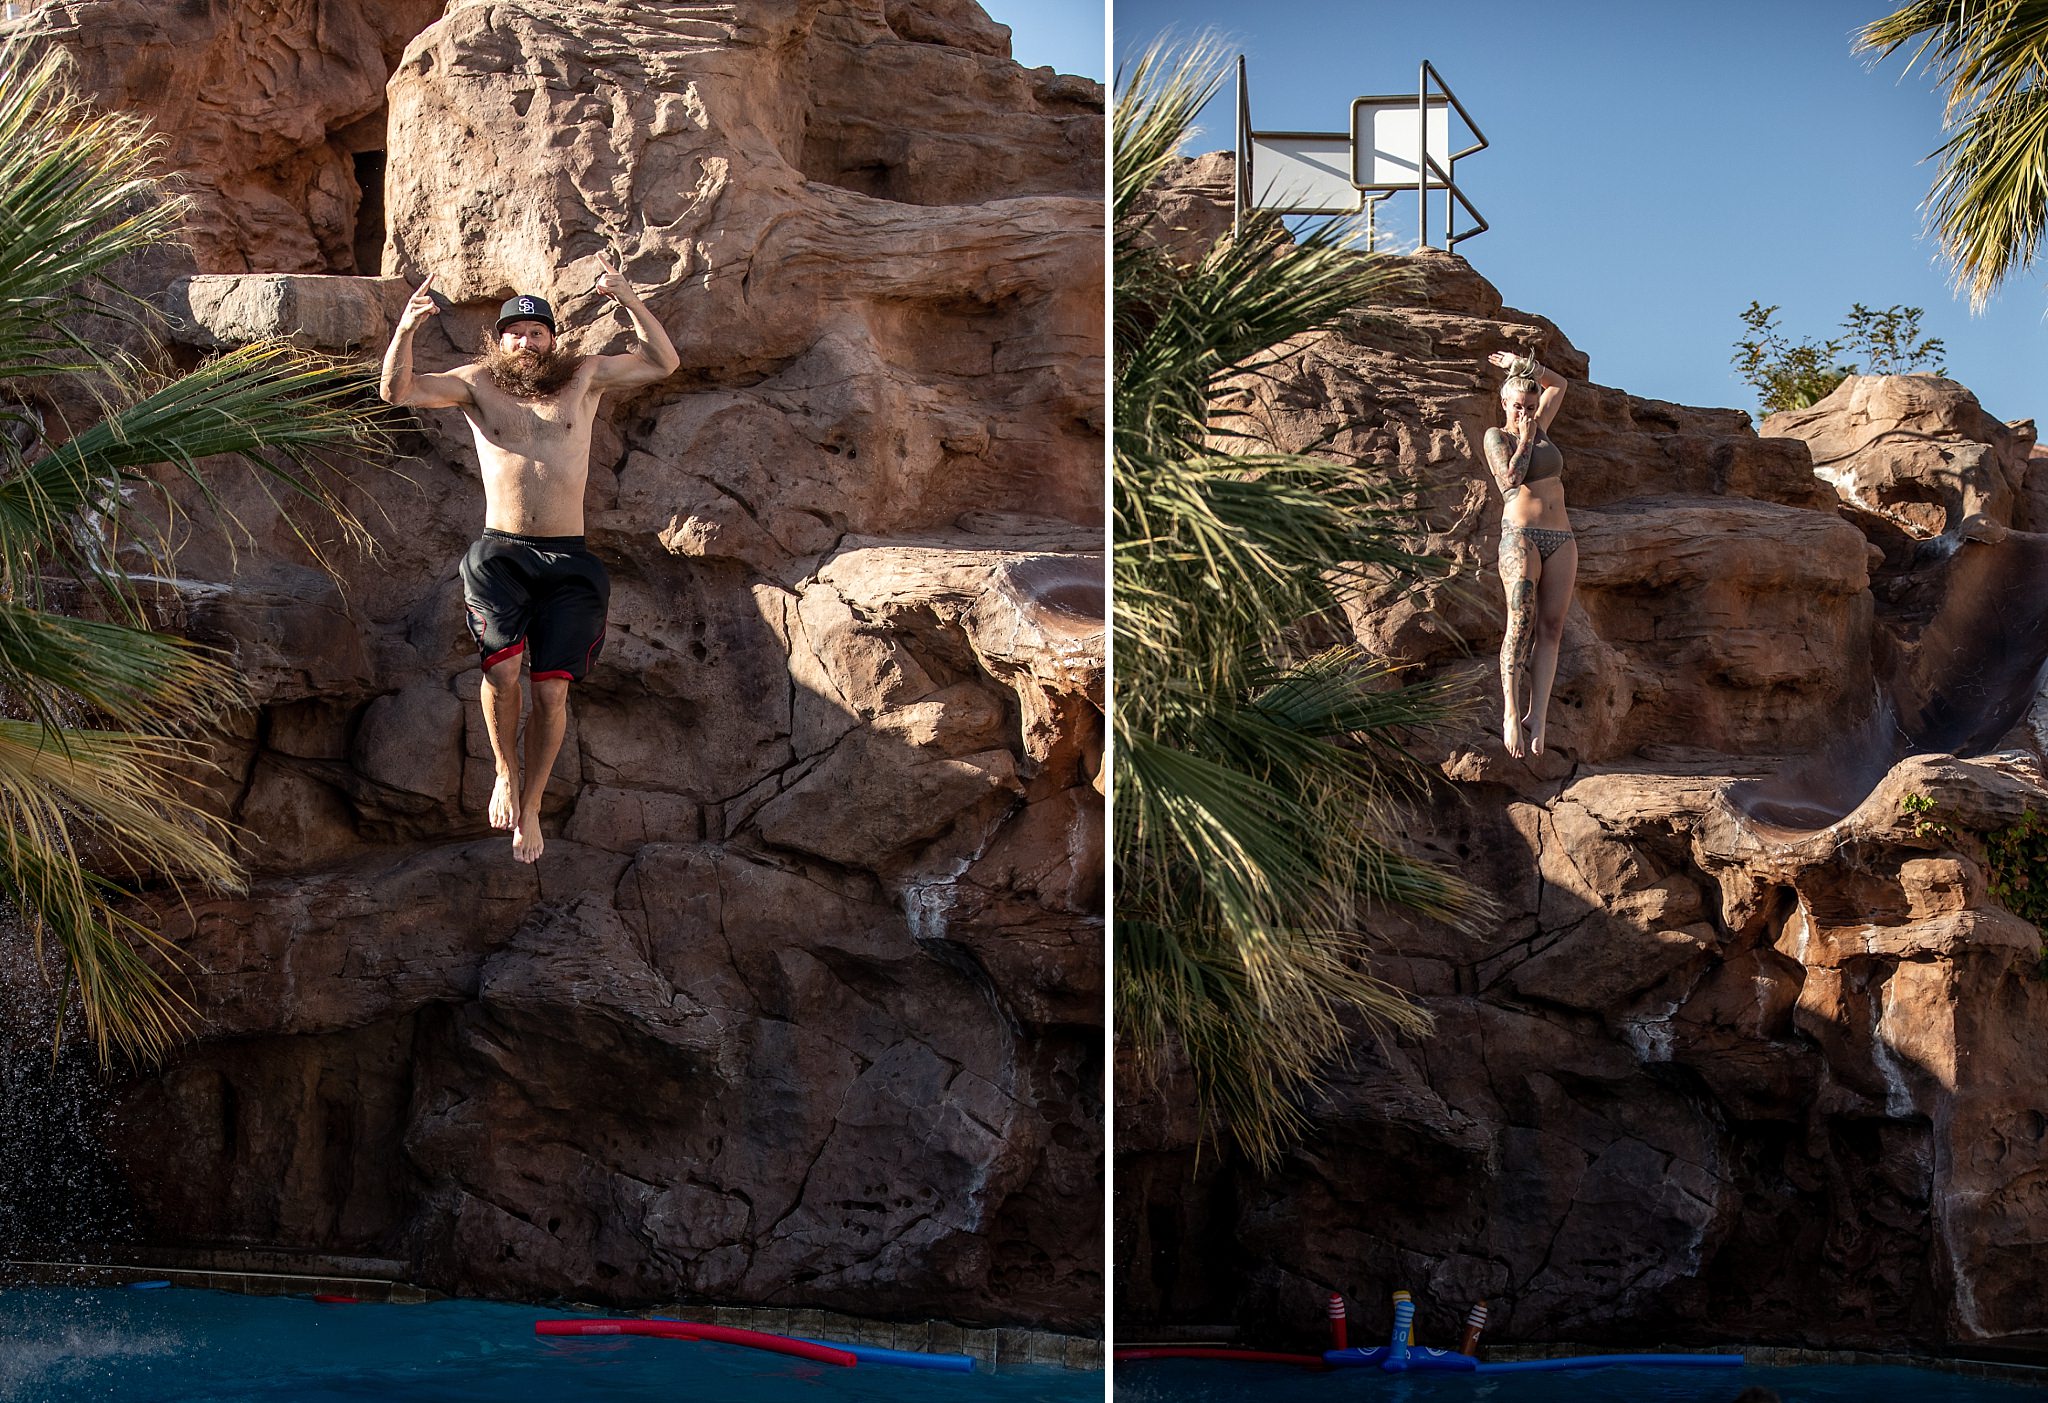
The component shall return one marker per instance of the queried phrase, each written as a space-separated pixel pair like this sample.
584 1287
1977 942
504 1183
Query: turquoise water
1194 1381
179 1346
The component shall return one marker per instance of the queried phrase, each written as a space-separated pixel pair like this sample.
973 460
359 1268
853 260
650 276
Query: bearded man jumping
534 591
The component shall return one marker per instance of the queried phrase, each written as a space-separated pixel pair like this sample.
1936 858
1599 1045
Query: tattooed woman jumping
1539 558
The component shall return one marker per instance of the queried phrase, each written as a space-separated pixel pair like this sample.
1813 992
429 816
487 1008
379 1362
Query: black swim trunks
547 592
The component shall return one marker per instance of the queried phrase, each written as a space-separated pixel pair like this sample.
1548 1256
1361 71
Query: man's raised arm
398 384
654 358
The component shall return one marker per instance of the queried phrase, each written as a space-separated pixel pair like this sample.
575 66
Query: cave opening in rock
369 241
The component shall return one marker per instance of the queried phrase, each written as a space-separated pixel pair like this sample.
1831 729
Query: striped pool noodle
1475 1322
1404 1330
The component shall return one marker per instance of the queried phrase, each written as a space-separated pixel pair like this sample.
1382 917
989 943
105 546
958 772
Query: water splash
61 1195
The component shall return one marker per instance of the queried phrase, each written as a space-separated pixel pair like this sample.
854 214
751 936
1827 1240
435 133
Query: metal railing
1375 175
1428 164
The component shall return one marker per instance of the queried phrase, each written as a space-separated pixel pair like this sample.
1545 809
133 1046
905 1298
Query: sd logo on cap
526 309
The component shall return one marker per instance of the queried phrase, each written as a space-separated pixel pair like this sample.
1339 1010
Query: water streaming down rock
1954 684
61 1195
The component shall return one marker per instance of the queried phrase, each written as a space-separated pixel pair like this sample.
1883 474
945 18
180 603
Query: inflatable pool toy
1401 1353
1444 1361
1404 1332
1475 1321
1419 1358
696 1330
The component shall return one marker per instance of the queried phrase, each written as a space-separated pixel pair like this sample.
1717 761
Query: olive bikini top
1545 460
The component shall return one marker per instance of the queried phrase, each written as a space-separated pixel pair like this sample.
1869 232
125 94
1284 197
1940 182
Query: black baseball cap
526 309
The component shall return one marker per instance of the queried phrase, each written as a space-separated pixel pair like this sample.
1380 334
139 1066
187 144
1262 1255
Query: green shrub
2015 862
1795 375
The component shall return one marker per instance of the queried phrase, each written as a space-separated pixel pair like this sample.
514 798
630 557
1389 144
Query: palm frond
1992 57
1260 779
55 665
1158 101
130 1007
116 795
75 197
266 403
96 748
1990 201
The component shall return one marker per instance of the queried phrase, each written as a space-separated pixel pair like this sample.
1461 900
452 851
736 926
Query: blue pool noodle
1404 1324
1447 1361
1590 1361
907 1358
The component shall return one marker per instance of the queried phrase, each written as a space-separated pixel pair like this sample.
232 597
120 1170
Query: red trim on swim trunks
491 660
559 672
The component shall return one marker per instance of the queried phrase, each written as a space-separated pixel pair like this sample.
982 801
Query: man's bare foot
1511 734
526 839
503 814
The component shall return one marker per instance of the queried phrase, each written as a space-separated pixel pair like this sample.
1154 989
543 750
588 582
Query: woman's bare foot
503 815
1535 735
526 839
1511 734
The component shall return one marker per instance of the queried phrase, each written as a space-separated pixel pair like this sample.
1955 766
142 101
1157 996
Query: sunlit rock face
1751 1052
271 114
802 1005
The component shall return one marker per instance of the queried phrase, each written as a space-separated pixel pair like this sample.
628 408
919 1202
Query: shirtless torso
533 592
534 454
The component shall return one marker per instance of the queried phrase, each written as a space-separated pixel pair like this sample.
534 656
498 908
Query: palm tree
1258 779
1990 197
98 711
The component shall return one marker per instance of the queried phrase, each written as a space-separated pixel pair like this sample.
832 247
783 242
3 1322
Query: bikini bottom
1546 541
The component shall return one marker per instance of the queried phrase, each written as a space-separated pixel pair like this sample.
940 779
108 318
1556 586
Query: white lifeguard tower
1397 142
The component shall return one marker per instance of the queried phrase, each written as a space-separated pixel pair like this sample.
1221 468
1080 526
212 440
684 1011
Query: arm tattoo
1507 471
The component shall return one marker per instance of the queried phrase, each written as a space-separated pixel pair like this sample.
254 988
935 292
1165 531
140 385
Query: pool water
186 1346
1196 1381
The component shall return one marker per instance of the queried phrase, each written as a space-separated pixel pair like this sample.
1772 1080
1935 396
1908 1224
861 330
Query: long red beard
527 374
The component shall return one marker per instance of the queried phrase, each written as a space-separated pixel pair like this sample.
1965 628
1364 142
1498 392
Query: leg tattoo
1520 638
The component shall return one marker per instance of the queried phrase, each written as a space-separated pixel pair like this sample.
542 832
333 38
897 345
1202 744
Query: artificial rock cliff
1751 1052
802 1005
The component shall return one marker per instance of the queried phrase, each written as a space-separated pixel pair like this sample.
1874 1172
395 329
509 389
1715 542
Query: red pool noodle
1243 1356
327 1299
696 1330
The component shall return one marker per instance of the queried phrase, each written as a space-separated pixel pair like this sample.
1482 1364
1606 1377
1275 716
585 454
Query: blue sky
1064 34
1655 165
